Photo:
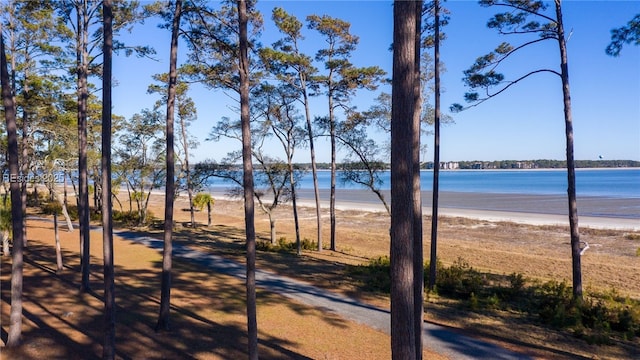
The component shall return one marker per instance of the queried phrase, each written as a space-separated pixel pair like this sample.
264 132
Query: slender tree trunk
418 252
249 211
83 184
25 165
15 314
5 243
59 265
272 227
56 235
165 287
571 171
332 138
65 211
314 170
294 198
109 347
187 167
209 213
402 169
433 259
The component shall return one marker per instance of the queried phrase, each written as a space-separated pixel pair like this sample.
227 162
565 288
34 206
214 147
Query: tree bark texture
402 193
418 252
167 252
571 171
15 314
82 59
249 210
109 346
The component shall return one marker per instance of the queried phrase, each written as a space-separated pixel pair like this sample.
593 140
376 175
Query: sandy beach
594 212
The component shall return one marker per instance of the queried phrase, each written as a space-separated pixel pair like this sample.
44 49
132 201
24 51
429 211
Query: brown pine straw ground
208 309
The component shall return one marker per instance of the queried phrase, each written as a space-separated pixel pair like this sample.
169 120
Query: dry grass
208 310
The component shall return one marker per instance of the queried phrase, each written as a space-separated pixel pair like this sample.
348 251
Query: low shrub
633 236
375 274
283 245
598 319
131 218
459 280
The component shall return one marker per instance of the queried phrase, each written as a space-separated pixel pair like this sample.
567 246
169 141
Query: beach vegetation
633 236
132 218
283 245
602 317
638 252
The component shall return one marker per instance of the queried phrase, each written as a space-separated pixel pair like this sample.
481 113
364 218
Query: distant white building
450 165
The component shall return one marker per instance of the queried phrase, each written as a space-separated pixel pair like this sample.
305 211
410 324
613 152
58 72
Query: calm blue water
615 183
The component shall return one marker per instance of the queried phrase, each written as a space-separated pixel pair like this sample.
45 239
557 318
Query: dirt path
436 338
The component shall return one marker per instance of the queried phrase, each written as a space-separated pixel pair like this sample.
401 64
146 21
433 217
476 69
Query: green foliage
5 215
459 280
51 207
599 319
131 218
638 252
629 34
376 274
283 245
138 196
202 199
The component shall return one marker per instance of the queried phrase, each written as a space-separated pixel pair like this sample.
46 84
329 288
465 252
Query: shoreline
539 210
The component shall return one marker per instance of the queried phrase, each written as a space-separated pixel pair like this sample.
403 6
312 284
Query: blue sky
526 122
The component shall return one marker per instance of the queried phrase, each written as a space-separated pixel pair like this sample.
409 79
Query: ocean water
611 183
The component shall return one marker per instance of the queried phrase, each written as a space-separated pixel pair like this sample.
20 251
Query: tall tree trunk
82 59
25 162
5 243
209 213
56 235
314 170
272 227
65 211
15 315
165 287
436 152
109 347
402 204
249 211
294 199
185 145
571 171
332 137
418 253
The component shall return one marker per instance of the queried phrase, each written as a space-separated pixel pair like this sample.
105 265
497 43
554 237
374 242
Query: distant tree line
543 164
510 164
